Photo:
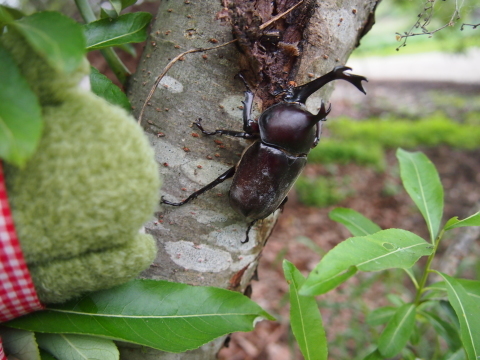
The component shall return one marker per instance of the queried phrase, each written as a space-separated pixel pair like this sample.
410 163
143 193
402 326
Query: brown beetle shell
261 184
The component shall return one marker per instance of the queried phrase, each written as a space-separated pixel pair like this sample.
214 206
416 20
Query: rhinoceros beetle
282 138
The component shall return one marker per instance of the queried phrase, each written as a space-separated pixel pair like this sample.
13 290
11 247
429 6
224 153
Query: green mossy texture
92 180
56 281
80 201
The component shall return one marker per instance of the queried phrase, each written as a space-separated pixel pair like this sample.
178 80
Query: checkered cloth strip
17 293
2 354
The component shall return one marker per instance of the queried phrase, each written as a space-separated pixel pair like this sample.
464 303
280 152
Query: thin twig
279 16
169 65
427 16
474 26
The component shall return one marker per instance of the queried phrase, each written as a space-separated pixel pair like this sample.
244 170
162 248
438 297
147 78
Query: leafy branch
373 249
62 42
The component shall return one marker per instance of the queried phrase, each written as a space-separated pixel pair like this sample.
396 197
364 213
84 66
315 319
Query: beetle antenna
300 94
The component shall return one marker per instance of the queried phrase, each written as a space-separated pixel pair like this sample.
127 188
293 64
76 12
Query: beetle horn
301 93
323 112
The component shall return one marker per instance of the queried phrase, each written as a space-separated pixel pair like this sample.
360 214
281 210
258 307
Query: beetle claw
240 75
248 230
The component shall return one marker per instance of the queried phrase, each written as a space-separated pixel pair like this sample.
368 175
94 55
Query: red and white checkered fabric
17 292
2 354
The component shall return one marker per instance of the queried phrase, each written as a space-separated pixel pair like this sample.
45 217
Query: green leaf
355 222
46 356
128 28
444 329
108 13
128 48
381 315
305 317
408 354
395 299
119 5
397 332
452 221
167 316
473 220
415 336
386 249
472 287
20 114
449 311
457 355
78 347
105 88
127 3
116 5
7 15
375 355
20 344
467 310
55 37
420 179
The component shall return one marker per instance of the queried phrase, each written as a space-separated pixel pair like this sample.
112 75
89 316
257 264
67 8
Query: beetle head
289 126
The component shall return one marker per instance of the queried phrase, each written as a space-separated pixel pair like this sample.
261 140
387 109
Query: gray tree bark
201 243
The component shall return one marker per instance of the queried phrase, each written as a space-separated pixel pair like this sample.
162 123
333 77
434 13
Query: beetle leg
318 130
301 93
244 135
255 221
283 203
248 230
226 175
249 125
321 116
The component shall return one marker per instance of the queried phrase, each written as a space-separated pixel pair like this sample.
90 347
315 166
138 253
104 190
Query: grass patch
432 131
344 152
319 192
364 142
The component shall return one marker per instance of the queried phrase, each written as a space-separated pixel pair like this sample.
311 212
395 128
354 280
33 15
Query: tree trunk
200 243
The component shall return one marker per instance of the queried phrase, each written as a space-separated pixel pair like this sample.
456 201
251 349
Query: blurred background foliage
398 16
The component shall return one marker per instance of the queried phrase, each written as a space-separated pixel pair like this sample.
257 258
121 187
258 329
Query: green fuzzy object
48 83
80 201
